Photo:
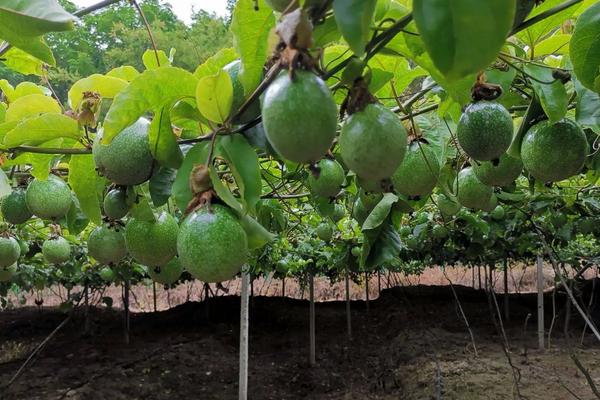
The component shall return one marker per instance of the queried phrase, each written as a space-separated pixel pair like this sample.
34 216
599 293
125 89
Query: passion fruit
107 245
485 130
503 173
471 192
152 243
14 208
168 274
49 199
212 245
115 204
7 273
56 250
299 116
419 172
127 160
373 142
9 251
325 232
328 180
553 152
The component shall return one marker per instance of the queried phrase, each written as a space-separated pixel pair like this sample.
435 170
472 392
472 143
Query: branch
47 150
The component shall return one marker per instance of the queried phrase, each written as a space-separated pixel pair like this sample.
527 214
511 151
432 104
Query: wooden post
485 277
348 314
311 286
126 312
206 306
378 283
506 299
154 294
283 287
244 329
479 275
540 301
367 289
87 325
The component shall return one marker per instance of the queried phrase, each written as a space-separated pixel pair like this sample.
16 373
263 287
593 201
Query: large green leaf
380 245
585 48
76 220
161 184
224 192
151 90
553 96
251 23
37 130
244 165
24 63
181 187
214 96
5 187
31 105
463 36
2 112
141 209
27 88
125 72
213 64
380 212
537 32
106 86
258 236
587 113
84 181
163 142
22 23
354 19
150 62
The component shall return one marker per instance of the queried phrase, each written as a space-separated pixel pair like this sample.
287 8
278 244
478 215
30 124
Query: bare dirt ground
411 344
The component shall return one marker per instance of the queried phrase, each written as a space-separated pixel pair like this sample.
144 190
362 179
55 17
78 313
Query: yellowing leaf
24 63
37 130
214 96
126 72
150 61
107 86
213 64
31 105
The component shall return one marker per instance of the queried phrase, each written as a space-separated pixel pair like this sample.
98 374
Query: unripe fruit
168 274
115 204
152 243
49 199
330 178
503 173
57 250
471 192
325 232
107 245
7 273
14 208
9 251
419 172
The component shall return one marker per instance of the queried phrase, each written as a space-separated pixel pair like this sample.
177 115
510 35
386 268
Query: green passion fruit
439 231
253 111
503 173
49 199
498 213
107 245
56 250
485 130
373 142
471 192
339 212
299 116
168 274
9 251
328 180
14 207
212 245
553 152
325 232
115 204
152 243
419 172
107 274
127 160
7 273
257 138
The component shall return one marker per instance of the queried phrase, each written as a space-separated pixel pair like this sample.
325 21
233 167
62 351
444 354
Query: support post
506 299
244 328
367 290
348 313
126 312
311 288
540 301
154 294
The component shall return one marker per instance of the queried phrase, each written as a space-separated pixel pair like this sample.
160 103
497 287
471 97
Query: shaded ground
410 345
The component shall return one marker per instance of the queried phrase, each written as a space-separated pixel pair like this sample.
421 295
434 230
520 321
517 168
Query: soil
410 344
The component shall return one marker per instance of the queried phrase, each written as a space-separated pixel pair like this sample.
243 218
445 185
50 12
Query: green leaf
244 165
141 209
251 24
214 96
150 62
463 36
2 112
161 184
163 142
76 219
380 246
326 33
354 18
31 105
83 179
557 44
37 130
151 90
7 89
24 63
224 192
214 64
106 86
585 48
27 88
22 24
5 187
258 236
587 113
181 187
554 97
126 72
380 212
537 32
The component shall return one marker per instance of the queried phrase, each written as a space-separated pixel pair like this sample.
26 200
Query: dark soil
411 344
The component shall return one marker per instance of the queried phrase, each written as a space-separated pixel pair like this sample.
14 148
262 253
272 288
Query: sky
183 8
